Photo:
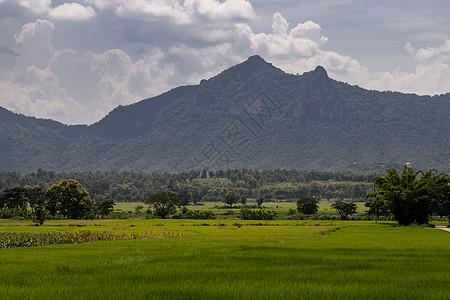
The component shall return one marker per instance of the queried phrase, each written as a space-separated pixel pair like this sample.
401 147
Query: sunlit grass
232 259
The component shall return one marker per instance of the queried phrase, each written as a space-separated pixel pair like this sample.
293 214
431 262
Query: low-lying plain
231 259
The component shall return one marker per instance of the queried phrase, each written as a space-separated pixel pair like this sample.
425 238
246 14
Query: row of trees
409 197
64 199
200 186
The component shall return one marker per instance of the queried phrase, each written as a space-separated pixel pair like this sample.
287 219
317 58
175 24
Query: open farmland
225 259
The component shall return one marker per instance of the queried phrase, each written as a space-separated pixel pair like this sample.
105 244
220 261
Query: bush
14 212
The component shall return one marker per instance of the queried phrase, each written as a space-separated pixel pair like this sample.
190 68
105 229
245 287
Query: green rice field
230 259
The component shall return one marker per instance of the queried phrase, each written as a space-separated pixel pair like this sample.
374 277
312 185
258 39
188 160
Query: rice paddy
230 259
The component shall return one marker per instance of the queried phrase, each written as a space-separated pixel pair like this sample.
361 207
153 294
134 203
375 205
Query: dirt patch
443 228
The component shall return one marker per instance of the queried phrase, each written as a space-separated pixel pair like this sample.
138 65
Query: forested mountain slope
252 115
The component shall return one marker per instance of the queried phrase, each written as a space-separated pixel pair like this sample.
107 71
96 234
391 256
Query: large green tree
410 196
307 205
68 199
164 203
231 198
344 209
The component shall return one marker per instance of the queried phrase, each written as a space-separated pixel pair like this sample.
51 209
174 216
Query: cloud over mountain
102 53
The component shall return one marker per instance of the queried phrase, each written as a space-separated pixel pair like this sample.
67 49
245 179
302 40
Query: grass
226 259
280 207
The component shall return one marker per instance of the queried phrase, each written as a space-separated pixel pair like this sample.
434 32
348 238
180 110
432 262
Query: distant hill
252 115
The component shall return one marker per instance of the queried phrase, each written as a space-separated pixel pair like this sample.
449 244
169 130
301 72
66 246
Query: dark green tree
36 198
243 200
307 205
231 198
344 209
164 203
104 208
69 199
259 202
412 196
14 197
40 215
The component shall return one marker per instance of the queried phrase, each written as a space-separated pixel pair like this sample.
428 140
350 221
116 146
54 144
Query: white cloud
302 41
215 10
435 54
408 48
36 6
72 12
36 92
82 86
34 44
181 12
431 75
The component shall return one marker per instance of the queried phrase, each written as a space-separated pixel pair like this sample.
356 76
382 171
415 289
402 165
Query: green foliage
28 239
169 132
68 199
259 201
40 215
138 186
267 260
164 203
344 209
14 197
231 198
260 214
104 208
14 212
307 205
412 195
243 200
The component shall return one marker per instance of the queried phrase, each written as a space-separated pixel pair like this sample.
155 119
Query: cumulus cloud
36 6
34 44
431 75
181 42
183 12
72 12
435 54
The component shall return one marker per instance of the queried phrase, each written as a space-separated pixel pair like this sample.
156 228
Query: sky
74 61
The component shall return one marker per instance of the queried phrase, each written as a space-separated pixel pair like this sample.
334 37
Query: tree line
64 199
203 185
408 197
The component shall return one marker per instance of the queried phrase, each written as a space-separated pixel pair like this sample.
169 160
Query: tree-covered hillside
252 115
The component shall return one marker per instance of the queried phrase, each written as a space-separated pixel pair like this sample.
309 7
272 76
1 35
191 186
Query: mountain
252 115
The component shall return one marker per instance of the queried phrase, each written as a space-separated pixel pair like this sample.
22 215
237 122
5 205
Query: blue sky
74 61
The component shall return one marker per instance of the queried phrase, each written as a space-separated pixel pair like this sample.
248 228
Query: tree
104 208
412 196
39 215
14 197
69 199
344 209
259 202
36 198
307 205
164 203
243 200
231 198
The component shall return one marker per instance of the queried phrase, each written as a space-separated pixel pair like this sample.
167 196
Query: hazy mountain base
252 115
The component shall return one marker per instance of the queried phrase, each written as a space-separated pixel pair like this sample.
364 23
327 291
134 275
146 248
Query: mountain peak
255 62
256 59
320 71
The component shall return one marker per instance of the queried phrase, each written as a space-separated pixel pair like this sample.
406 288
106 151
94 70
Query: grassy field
280 207
224 259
